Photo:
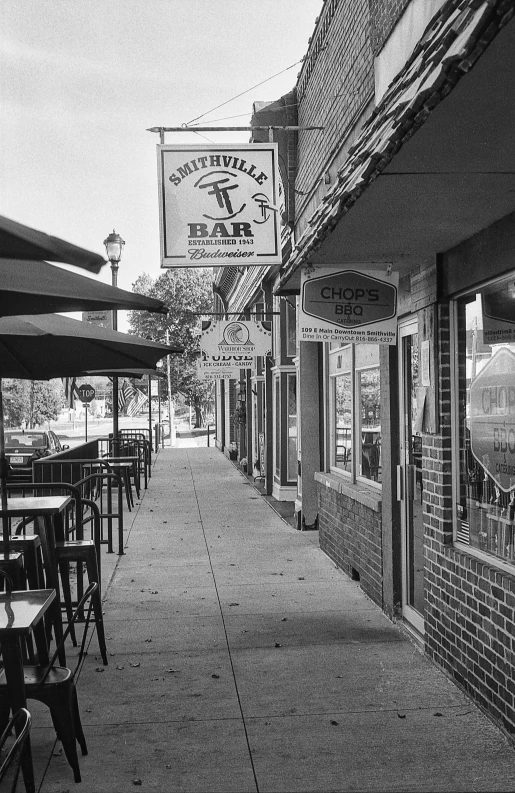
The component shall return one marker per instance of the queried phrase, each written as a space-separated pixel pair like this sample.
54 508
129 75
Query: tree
32 401
187 291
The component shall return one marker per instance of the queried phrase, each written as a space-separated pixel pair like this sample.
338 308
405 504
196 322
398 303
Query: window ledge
369 497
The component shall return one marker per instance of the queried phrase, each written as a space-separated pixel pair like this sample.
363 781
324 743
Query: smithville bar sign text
219 205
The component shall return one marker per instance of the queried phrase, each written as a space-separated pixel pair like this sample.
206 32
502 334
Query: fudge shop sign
221 367
492 418
219 205
236 338
348 306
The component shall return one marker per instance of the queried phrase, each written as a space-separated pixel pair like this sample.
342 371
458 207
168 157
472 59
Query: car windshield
30 440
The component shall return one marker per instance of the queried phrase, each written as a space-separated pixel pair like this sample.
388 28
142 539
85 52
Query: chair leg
64 570
61 707
79 732
5 711
93 575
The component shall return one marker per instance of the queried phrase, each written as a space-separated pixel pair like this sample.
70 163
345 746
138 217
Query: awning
435 162
23 242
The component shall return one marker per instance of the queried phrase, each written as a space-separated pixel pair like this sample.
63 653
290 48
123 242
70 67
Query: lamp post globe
114 248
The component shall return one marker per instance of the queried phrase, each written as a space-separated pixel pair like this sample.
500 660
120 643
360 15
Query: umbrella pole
3 480
115 417
149 411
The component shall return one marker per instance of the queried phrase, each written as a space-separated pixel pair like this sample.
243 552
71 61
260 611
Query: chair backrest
21 722
86 596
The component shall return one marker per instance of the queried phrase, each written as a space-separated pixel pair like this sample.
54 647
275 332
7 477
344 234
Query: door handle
411 484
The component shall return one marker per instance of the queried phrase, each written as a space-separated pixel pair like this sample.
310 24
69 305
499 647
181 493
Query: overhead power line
244 92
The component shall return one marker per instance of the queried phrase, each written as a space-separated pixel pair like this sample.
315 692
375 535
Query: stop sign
86 392
492 418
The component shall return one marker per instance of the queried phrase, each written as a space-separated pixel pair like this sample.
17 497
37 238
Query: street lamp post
114 247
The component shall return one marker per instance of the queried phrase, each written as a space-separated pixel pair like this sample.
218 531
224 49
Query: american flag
70 391
136 403
125 393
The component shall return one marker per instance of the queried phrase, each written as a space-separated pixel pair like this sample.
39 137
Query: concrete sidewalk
242 661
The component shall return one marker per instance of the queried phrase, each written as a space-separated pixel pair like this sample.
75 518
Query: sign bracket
284 128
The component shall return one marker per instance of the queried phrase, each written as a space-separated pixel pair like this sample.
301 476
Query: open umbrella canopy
30 287
22 242
40 347
138 373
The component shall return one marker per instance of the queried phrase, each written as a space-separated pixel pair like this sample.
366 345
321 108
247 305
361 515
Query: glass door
410 484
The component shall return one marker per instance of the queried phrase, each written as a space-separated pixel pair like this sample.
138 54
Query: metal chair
55 687
11 764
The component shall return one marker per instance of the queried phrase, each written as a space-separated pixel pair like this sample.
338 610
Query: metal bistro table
21 614
49 510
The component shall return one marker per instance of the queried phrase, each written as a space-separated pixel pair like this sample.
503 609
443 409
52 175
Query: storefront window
356 410
292 427
291 329
485 420
368 394
277 398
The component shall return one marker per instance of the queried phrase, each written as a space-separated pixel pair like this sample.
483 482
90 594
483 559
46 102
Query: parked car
23 447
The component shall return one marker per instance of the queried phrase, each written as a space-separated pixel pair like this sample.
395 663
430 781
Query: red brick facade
350 534
335 84
470 605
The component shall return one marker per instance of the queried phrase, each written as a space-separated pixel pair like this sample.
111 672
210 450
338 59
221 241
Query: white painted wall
402 41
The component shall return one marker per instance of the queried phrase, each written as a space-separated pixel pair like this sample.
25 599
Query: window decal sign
492 418
236 337
348 306
498 313
219 205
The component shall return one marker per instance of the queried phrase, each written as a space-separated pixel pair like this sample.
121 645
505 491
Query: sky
81 82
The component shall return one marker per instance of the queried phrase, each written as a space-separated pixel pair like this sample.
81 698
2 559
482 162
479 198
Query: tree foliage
187 292
32 401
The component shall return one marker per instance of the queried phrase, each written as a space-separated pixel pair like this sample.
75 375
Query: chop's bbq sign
492 418
219 205
348 306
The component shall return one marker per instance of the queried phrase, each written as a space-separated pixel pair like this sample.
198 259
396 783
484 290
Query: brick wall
350 534
384 15
470 604
334 85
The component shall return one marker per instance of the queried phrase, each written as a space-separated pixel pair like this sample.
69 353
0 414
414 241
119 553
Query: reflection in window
277 427
291 329
486 421
343 420
369 393
292 427
356 409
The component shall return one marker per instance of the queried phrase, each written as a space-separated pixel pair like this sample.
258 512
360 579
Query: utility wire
244 92
241 115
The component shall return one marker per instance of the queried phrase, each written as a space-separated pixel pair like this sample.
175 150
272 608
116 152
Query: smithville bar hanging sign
219 205
236 337
348 306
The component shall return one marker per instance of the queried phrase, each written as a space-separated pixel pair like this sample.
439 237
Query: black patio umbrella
138 373
22 242
31 287
41 347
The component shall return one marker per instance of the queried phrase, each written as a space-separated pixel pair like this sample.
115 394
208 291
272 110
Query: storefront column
309 406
